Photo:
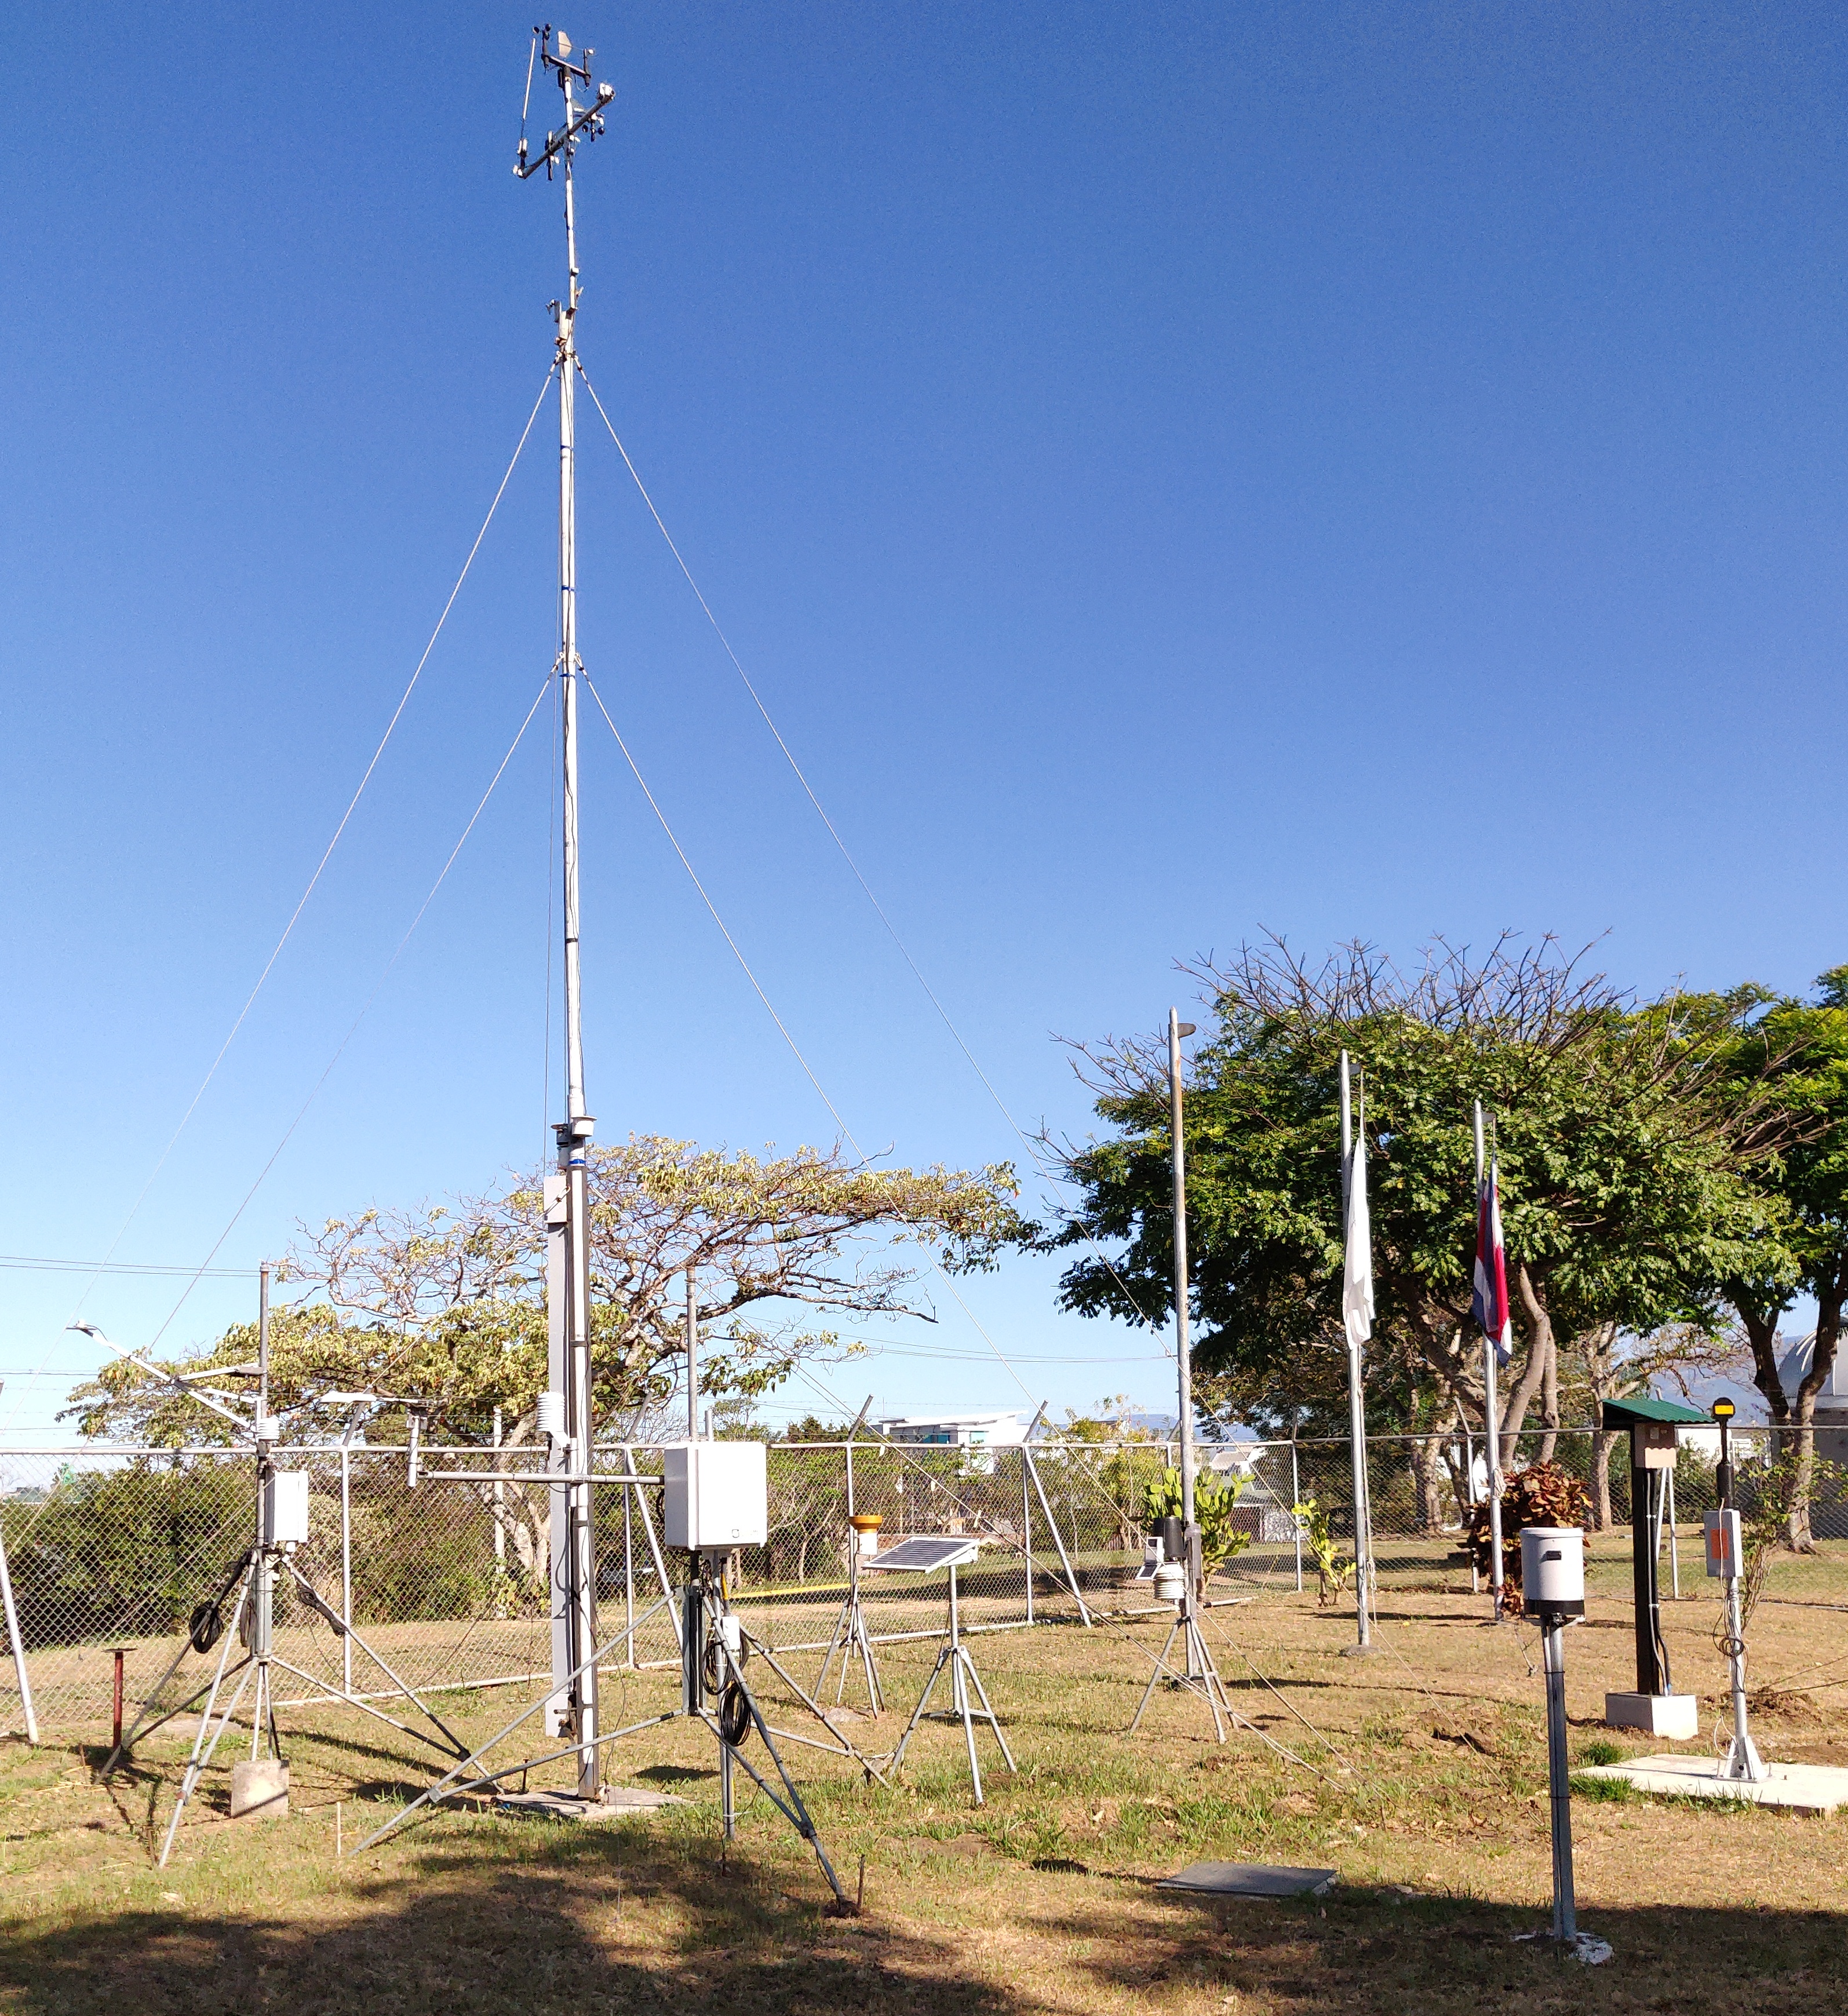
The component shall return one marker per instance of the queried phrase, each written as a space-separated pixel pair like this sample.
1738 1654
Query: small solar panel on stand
925 1554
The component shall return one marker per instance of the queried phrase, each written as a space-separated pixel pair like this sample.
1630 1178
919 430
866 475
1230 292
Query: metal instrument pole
693 1363
575 1130
1491 1414
1565 1924
1356 1402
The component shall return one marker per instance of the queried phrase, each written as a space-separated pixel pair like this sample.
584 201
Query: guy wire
320 867
833 834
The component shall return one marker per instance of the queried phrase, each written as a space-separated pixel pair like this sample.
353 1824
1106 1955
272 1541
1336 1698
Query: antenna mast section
568 1222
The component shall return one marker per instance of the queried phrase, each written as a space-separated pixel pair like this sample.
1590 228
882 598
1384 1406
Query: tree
443 1306
1624 1156
1799 1049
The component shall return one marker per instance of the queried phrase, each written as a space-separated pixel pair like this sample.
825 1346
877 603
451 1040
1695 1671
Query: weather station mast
574 1707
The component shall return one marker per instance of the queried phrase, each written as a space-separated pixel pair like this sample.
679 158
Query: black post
1724 1477
1642 1554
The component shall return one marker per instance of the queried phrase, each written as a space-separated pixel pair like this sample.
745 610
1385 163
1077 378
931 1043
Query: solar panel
924 1552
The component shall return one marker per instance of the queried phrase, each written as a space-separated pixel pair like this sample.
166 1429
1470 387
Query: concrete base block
1805 1788
260 1790
1676 1716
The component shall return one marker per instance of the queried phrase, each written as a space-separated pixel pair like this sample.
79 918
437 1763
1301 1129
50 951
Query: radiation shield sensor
1553 1571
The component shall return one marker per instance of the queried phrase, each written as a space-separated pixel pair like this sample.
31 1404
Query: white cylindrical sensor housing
1553 1570
552 1416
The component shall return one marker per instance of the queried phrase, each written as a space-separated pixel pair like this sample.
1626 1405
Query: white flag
1357 1285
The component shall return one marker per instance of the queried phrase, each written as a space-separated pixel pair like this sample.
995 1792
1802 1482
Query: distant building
984 1431
1831 1402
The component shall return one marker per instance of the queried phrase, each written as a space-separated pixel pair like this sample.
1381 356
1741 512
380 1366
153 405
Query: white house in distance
1831 1402
977 1431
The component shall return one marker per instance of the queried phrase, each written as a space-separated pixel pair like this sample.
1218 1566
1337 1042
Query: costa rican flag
1490 1304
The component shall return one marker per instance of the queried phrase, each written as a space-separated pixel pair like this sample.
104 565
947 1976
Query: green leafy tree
1625 1166
1799 1049
443 1307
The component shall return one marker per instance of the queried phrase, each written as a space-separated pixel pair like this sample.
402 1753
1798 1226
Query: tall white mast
574 1557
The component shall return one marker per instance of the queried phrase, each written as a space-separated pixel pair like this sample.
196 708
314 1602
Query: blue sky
1172 473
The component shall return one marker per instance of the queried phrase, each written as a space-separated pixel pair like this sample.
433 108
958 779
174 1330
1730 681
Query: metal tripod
965 1690
1199 1675
714 1649
251 1622
851 1638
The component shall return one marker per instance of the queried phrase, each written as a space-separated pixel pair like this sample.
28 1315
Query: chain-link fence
445 1580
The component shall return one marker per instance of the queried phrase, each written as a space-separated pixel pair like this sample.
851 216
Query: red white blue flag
1490 1304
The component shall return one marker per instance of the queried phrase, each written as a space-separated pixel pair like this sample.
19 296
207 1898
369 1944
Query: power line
38 1264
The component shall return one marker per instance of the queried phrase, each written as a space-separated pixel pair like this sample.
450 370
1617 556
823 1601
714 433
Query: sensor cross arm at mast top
579 124
590 120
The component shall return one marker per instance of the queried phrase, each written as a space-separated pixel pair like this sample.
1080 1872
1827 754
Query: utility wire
782 1026
341 1051
33 1264
833 834
320 866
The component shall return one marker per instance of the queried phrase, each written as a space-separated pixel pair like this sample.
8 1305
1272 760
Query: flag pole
1491 1405
1356 1407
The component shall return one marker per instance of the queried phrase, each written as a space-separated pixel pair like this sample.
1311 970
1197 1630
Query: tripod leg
923 1703
791 1806
994 1721
196 1764
410 1692
959 1693
875 1700
1207 1680
841 1636
1161 1667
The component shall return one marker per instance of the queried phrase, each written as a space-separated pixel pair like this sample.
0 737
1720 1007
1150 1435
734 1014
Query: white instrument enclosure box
717 1493
1654 1444
1726 1543
286 1509
1553 1570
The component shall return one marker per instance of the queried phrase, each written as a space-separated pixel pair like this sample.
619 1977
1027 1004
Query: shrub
1543 1494
1214 1497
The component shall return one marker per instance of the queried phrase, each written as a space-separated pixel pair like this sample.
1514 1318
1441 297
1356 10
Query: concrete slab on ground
616 1801
1803 1788
1249 1879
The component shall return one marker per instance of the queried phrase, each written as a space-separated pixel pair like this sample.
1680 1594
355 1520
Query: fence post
1296 1500
628 1575
18 1649
500 1535
345 1564
1026 1526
